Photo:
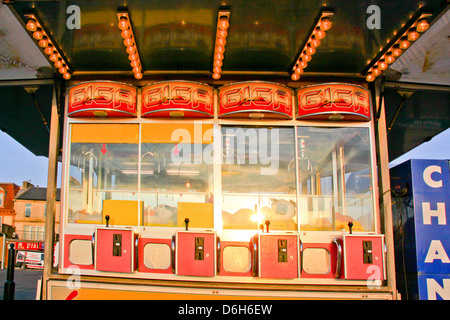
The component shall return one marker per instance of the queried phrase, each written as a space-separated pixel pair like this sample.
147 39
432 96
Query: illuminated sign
102 99
33 246
177 99
333 101
255 100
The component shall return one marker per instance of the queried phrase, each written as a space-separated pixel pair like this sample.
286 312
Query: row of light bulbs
397 49
318 34
223 24
130 44
42 38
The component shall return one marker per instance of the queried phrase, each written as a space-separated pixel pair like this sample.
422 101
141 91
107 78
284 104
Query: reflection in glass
334 179
258 178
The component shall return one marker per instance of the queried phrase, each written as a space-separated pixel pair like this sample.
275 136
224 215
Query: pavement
25 283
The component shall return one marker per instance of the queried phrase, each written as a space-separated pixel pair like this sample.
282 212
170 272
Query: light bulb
62 70
222 33
295 76
136 69
54 57
382 65
128 42
123 23
138 75
305 56
389 57
67 76
135 63
221 42
370 77
31 25
396 51
315 42
217 70
216 76
404 43
303 64
298 70
218 63
126 33
319 34
38 34
223 23
220 49
131 50
218 56
375 71
413 35
133 57
422 25
325 24
49 49
43 42
310 50
58 63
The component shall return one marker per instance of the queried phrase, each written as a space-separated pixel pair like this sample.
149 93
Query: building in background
29 206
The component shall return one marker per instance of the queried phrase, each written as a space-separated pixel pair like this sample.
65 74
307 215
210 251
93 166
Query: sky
17 164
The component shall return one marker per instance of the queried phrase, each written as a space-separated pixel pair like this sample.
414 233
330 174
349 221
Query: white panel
157 256
236 259
80 252
316 261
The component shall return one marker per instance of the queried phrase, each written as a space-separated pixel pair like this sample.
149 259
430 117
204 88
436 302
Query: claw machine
248 189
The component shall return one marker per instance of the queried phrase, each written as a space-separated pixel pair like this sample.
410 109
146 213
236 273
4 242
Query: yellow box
122 212
201 215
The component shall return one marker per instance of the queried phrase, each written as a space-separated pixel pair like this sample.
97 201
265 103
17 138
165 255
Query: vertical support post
51 192
10 285
384 186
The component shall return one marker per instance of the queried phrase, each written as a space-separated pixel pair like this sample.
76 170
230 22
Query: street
25 283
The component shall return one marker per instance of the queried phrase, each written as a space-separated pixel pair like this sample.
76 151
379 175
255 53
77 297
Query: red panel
333 101
333 252
185 251
102 99
223 245
268 257
67 239
104 260
177 99
258 100
354 266
142 243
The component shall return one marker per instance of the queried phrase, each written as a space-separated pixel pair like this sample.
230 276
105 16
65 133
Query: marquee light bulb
138 75
382 64
131 50
319 33
31 25
396 51
67 76
295 76
43 42
49 50
223 23
123 23
126 33
404 43
315 42
135 63
216 76
413 35
370 77
325 24
422 25
38 34
389 57
58 63
310 50
128 42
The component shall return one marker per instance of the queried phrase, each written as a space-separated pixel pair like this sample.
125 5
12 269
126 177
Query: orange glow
396 51
422 25
67 76
123 23
319 34
31 25
138 75
310 50
389 57
216 76
223 23
128 42
370 77
126 33
49 50
413 35
325 24
43 42
375 71
295 76
135 63
38 34
131 50
315 42
404 43
382 65
58 63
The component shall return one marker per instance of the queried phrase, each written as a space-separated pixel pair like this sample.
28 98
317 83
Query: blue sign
434 286
431 188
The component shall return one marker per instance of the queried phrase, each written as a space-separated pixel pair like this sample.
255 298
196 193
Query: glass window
177 174
104 174
334 179
28 210
258 178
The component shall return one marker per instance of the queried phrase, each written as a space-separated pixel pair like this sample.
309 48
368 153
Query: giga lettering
177 95
259 95
101 95
339 97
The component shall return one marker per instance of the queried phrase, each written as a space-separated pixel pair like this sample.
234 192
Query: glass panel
335 179
176 175
103 168
258 178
